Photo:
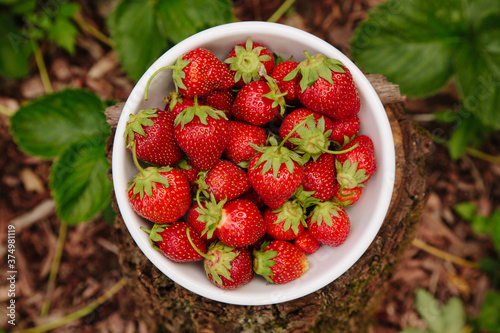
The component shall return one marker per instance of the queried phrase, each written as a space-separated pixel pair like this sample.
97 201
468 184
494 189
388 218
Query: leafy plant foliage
143 30
447 318
422 44
69 127
24 22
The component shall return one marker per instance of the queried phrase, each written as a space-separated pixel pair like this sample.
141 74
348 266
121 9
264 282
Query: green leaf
469 131
179 19
138 39
477 66
430 311
466 210
63 32
412 43
45 126
79 180
143 30
15 49
489 318
453 315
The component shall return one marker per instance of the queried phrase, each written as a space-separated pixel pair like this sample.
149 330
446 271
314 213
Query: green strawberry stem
204 255
133 144
178 75
296 127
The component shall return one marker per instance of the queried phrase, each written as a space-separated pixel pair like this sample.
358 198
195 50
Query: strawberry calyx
275 94
292 213
314 67
177 75
324 211
136 124
263 261
248 62
145 181
218 260
274 155
200 111
154 234
348 174
210 213
313 140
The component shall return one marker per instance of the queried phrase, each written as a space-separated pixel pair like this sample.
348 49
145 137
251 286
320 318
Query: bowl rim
223 31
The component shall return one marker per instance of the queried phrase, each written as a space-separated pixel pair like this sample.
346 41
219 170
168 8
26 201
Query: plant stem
80 313
481 155
443 255
90 29
281 11
42 69
61 239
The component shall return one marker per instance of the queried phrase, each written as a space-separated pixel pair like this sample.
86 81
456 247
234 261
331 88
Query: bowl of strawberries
253 163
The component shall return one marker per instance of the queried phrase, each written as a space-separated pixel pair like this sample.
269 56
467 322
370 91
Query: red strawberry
306 243
249 62
320 177
200 71
291 87
280 262
356 166
327 87
225 181
161 195
177 103
289 220
235 223
190 171
152 130
286 222
347 196
258 102
275 175
172 240
220 100
329 223
254 197
276 172
240 134
228 267
192 217
202 133
343 131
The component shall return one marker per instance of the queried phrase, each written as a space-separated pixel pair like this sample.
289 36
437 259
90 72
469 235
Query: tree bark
345 305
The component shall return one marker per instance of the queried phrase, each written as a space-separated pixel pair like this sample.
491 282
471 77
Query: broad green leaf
430 311
412 43
489 318
139 41
15 49
477 66
45 126
79 180
143 30
179 19
453 315
63 32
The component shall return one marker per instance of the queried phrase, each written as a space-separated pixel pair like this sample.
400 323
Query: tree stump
345 305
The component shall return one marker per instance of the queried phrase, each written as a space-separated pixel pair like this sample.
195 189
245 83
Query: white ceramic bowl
366 216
